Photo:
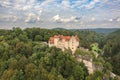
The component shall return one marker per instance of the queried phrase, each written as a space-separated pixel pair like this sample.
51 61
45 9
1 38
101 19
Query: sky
69 14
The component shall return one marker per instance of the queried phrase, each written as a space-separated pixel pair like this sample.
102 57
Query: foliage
111 49
25 56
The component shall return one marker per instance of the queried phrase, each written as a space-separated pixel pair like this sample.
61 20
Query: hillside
103 30
25 56
98 30
112 50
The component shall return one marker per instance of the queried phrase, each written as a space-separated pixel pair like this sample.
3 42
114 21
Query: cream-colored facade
64 42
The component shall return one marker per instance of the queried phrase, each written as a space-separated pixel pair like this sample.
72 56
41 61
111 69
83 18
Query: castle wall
73 44
56 41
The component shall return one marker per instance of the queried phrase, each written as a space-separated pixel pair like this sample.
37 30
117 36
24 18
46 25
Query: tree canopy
25 56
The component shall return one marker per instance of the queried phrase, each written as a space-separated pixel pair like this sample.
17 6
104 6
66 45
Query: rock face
64 42
88 64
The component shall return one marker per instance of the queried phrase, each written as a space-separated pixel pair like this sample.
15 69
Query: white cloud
32 1
31 10
32 17
19 7
47 2
110 20
65 3
5 3
92 4
93 19
15 18
26 7
28 10
71 19
57 18
12 18
20 1
118 19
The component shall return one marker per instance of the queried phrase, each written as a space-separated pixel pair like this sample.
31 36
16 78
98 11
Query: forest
24 55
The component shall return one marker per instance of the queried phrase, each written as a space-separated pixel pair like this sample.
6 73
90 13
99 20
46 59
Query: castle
64 42
72 43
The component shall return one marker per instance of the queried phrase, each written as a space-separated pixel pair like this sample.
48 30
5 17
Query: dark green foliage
86 37
112 50
24 56
97 75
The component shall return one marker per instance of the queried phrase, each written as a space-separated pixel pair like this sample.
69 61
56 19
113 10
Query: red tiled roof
66 38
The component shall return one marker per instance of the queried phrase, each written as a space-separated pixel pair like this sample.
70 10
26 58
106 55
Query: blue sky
75 14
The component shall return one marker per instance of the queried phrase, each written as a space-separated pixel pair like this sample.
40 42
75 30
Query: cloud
28 10
88 4
32 17
12 18
57 18
46 2
34 11
117 19
93 19
91 4
110 20
66 4
27 7
72 4
5 4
